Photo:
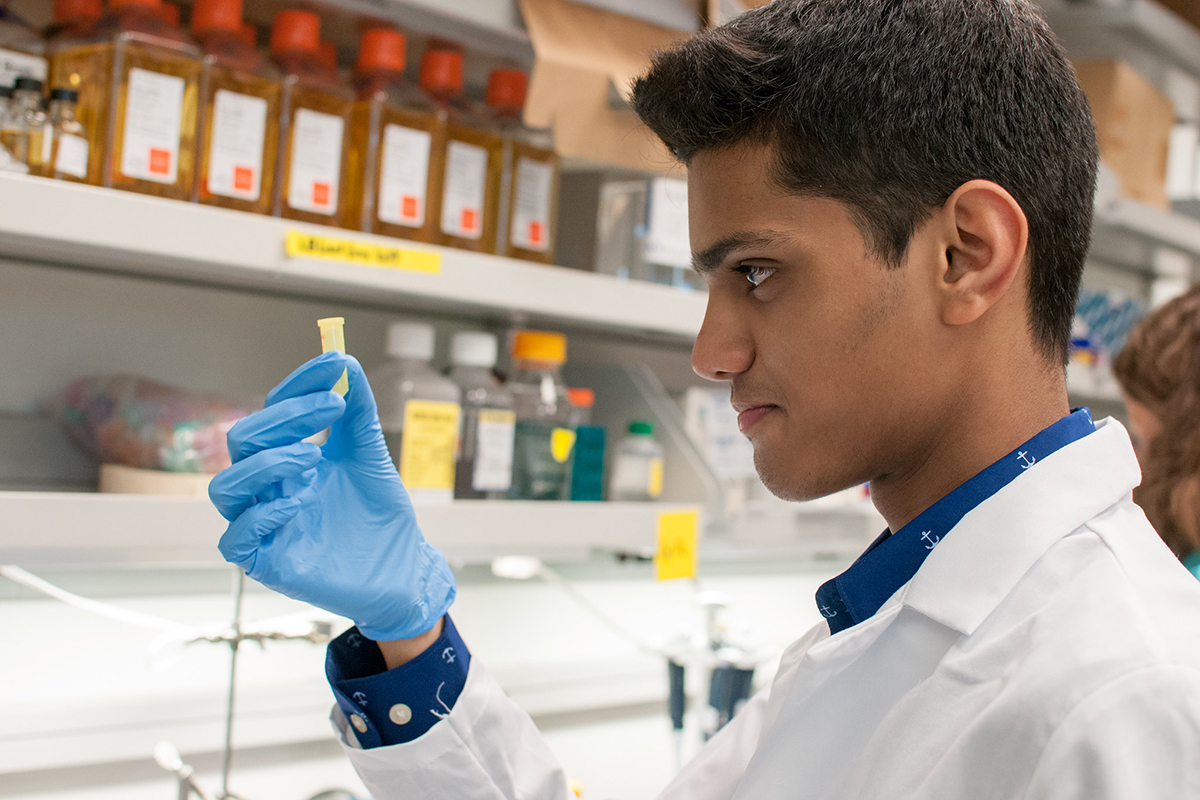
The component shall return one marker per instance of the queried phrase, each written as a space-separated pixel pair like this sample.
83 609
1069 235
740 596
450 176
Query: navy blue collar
893 559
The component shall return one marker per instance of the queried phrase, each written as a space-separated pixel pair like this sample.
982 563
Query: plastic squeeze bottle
239 112
419 412
138 80
529 186
312 131
485 460
637 472
396 140
472 160
544 438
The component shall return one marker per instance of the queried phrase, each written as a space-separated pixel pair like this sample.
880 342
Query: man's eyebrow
714 255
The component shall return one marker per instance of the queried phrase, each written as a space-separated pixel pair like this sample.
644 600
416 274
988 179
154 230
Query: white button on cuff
359 723
400 714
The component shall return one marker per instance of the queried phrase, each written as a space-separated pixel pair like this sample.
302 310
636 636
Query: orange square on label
320 194
470 219
408 207
160 161
535 233
243 179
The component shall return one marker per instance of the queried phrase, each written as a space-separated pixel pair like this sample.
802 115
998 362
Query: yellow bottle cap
540 346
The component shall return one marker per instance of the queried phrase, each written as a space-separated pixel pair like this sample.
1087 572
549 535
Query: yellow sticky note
348 251
675 555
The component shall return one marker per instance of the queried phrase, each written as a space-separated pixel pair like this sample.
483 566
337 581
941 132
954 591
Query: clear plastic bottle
544 438
485 460
23 129
419 411
67 137
313 127
637 472
21 48
473 160
394 180
529 186
239 113
138 80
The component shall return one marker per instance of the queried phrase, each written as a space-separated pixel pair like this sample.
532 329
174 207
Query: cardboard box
1133 127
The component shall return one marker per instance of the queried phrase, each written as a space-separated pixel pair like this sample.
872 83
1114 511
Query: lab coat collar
970 572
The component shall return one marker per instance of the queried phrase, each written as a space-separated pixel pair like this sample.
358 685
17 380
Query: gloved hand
329 525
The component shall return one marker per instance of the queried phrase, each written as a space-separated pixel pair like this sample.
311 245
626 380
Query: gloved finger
286 422
236 488
315 375
240 543
360 424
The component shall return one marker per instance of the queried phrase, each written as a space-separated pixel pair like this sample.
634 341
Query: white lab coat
1049 647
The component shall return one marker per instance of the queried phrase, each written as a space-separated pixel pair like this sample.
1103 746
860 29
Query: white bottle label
403 176
15 65
316 163
667 240
235 153
153 117
72 158
494 434
463 195
531 205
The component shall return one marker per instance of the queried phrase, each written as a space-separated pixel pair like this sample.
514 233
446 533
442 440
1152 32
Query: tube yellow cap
333 337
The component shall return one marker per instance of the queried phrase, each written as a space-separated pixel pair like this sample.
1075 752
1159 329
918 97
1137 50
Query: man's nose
724 347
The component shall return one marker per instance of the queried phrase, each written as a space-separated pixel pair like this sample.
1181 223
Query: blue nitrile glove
329 525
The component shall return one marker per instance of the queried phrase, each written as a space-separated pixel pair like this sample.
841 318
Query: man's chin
792 484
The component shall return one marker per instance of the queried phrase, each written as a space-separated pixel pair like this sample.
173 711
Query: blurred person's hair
1160 368
889 106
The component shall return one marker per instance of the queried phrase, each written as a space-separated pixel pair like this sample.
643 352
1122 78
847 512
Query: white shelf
1151 225
1125 29
84 529
93 228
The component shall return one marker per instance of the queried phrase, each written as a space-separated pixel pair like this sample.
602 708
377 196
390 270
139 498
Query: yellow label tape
348 251
675 555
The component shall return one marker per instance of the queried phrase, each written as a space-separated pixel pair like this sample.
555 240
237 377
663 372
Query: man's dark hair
890 106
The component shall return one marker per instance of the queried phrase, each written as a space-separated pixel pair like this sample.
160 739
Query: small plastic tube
333 337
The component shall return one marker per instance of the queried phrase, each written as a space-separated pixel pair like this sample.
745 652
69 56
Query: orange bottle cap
71 10
581 398
328 53
249 34
506 89
382 49
540 346
296 30
152 5
442 70
169 13
225 15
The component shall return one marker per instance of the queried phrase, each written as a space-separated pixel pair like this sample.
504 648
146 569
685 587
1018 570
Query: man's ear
986 239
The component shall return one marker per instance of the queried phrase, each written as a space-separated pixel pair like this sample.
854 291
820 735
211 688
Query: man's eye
756 275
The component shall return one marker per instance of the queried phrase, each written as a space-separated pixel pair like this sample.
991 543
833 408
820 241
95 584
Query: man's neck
968 441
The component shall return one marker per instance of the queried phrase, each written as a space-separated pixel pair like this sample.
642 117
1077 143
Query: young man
891 203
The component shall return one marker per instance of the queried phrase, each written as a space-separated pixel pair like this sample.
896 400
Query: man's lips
749 415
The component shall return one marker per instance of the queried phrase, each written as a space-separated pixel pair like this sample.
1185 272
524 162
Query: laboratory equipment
472 160
20 48
239 113
138 79
544 439
315 115
485 461
637 472
587 461
352 517
333 337
394 183
67 139
23 129
529 186
419 411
